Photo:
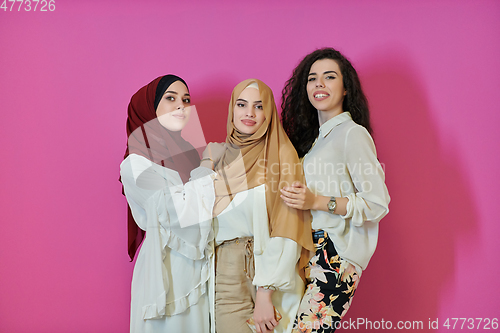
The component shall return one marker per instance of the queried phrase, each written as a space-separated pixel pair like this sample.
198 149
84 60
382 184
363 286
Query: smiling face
248 114
174 108
325 88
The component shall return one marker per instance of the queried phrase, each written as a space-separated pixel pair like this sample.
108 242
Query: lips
320 95
248 122
179 116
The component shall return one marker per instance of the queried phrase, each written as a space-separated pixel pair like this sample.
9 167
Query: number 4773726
28 5
471 323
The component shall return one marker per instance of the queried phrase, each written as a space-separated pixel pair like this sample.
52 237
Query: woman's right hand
214 151
298 196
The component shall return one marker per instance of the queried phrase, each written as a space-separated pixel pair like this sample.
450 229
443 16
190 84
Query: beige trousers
234 292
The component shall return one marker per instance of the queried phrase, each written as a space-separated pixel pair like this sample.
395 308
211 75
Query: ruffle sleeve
177 219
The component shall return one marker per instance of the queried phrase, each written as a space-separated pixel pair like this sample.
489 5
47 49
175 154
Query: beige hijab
265 157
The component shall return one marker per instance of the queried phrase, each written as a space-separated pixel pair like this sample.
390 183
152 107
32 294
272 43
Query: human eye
331 77
187 100
240 105
259 106
311 78
170 98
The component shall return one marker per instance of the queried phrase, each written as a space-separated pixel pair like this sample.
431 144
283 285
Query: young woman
325 114
259 239
169 284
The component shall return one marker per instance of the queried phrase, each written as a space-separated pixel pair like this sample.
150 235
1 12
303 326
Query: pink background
431 73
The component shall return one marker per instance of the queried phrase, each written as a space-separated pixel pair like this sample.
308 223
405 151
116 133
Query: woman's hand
347 270
214 152
263 314
298 196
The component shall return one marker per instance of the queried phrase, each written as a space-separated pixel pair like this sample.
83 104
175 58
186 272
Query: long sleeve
183 211
275 257
276 266
173 264
343 163
186 214
370 199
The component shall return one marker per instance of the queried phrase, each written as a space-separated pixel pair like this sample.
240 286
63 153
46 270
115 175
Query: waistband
318 234
246 244
236 241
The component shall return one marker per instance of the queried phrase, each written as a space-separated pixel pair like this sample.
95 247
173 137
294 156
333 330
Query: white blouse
275 258
173 264
343 163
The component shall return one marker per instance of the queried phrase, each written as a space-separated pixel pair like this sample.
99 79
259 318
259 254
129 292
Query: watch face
332 204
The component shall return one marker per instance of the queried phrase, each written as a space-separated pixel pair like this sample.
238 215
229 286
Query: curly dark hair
300 118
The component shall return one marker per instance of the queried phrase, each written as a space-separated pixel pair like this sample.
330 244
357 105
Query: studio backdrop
431 74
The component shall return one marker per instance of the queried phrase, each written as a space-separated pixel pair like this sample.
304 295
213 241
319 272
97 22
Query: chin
177 128
247 131
174 126
320 106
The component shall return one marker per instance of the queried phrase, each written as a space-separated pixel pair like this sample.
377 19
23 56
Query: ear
345 92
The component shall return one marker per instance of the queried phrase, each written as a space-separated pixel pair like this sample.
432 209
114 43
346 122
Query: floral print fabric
331 283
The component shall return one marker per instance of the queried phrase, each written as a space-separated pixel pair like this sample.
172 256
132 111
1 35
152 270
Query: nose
180 106
250 112
319 82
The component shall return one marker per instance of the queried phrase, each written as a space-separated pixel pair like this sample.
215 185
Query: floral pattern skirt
331 283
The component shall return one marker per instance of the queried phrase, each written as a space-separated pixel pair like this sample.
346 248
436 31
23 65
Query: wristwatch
332 204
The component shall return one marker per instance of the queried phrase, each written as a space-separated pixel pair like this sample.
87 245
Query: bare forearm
298 196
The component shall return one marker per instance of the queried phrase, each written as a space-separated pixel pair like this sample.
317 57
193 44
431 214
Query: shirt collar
327 127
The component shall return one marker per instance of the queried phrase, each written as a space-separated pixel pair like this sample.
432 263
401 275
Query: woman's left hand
347 270
298 196
263 314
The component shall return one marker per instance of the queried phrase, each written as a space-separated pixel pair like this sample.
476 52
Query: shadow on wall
415 257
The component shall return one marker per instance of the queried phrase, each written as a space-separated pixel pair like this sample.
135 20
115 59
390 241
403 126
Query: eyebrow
244 100
327 72
175 92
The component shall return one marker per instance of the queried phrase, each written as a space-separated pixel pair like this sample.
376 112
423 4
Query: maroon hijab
148 138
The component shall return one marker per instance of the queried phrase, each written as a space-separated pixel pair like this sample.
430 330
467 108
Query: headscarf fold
148 138
265 157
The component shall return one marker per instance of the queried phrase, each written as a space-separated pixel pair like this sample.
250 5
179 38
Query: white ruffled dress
169 284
